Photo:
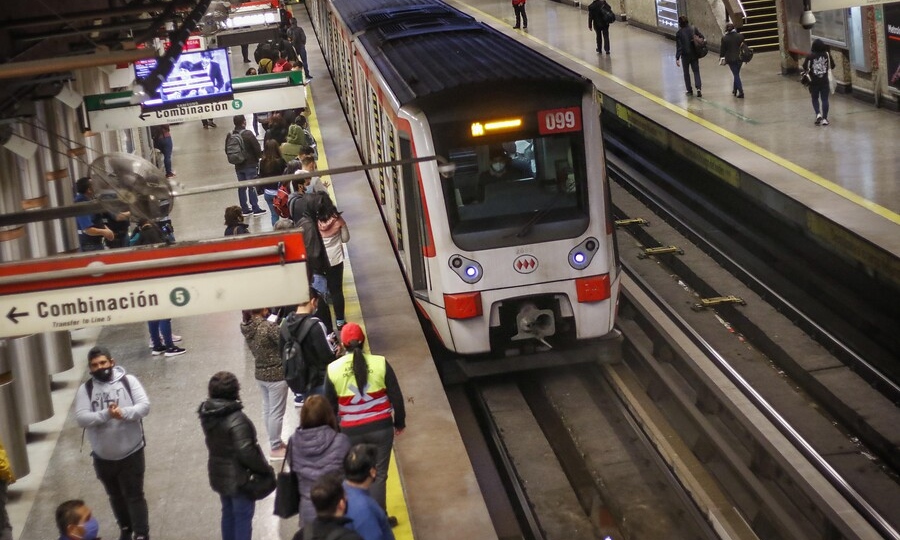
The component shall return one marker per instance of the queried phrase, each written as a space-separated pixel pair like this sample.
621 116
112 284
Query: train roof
425 48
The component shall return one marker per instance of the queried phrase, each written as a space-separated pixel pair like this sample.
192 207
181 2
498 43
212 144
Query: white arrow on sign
272 99
152 299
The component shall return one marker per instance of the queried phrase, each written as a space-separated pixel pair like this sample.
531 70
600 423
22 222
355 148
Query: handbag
832 82
287 494
259 485
805 78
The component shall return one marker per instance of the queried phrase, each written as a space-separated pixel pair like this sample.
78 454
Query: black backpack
296 367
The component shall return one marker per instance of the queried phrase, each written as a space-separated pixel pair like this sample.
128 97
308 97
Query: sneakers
278 453
170 175
824 121
159 350
174 351
689 93
818 119
298 401
260 212
246 212
740 96
339 325
699 93
392 521
212 124
175 339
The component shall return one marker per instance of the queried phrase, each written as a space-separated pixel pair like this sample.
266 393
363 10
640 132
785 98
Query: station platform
432 489
839 181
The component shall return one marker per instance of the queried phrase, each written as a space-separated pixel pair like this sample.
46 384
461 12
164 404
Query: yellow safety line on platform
771 156
396 501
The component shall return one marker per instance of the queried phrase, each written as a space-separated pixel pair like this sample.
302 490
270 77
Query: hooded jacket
334 233
262 338
314 452
6 473
113 439
295 138
231 440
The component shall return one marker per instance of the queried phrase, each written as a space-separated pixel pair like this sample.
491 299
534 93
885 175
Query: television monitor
197 77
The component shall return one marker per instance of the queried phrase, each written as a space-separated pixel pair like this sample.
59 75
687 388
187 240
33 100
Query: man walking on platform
730 53
600 16
243 151
110 407
298 39
686 54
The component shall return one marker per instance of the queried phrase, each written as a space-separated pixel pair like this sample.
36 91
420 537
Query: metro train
506 242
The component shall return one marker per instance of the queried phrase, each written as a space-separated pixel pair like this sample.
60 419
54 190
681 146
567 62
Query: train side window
417 236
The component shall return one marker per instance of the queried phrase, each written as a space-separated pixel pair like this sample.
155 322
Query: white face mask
498 167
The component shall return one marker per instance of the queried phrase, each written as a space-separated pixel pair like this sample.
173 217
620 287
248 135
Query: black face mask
103 375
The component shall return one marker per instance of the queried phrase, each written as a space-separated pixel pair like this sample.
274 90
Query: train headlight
581 255
467 269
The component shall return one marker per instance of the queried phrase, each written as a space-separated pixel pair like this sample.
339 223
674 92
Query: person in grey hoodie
110 407
316 448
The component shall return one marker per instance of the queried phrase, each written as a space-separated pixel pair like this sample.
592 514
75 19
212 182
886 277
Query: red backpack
281 202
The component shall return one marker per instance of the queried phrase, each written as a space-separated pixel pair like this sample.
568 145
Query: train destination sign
143 284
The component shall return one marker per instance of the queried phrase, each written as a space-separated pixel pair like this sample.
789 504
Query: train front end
524 252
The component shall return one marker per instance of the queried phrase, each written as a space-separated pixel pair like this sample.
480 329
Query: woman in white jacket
335 234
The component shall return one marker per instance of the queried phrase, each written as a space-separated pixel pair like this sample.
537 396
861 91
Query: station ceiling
42 41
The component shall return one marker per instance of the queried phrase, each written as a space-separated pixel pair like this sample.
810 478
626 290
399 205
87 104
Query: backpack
608 16
293 199
280 202
296 367
746 53
235 149
699 43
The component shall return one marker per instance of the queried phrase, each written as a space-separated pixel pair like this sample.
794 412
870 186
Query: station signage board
107 112
157 283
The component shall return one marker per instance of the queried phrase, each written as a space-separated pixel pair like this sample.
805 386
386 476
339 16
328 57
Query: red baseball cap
352 332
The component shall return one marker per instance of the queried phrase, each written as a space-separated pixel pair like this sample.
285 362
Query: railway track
755 428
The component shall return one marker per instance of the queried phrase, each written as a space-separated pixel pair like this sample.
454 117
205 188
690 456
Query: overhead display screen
198 77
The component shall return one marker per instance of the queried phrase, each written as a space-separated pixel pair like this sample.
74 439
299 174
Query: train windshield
517 191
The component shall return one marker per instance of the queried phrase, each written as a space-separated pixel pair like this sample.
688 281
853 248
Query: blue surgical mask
91 529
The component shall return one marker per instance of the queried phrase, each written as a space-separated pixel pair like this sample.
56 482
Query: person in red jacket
521 17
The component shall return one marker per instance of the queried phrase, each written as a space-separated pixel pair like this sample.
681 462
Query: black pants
602 33
520 15
334 276
123 480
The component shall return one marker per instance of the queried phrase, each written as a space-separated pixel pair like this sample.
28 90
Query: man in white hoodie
110 407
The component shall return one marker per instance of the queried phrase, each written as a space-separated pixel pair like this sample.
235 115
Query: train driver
499 171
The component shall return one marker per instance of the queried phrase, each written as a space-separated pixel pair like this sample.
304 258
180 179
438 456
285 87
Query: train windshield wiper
539 215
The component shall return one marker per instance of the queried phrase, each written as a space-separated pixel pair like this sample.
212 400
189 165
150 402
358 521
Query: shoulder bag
259 485
287 492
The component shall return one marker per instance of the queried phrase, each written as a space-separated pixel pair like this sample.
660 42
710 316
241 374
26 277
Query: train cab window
517 192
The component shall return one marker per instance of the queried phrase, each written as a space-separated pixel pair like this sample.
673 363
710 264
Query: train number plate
559 120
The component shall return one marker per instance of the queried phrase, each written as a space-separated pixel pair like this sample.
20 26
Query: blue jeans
270 202
302 52
161 328
736 71
246 195
164 145
274 396
237 517
693 65
383 439
817 93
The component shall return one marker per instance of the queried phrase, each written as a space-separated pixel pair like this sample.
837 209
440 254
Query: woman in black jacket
234 454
